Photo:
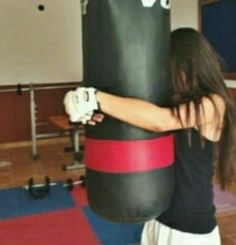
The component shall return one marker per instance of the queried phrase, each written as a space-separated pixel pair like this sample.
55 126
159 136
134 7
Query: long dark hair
193 56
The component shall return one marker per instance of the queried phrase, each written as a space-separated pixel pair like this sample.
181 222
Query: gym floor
17 166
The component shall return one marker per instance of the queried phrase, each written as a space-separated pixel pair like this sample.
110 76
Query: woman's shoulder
214 101
213 110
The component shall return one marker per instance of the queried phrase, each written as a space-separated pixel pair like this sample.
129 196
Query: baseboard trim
39 142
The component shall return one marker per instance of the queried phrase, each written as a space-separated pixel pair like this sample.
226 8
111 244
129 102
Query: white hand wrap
80 104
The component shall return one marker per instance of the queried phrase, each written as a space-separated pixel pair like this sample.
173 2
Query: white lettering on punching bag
165 4
149 3
84 4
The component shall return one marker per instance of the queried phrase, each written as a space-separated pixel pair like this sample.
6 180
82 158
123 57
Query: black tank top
192 209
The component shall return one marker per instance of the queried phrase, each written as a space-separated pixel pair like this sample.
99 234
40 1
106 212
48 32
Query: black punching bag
129 171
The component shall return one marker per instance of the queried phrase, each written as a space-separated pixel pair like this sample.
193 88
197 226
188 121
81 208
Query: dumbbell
69 184
39 191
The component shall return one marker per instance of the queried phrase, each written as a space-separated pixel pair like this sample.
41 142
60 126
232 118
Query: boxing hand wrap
81 104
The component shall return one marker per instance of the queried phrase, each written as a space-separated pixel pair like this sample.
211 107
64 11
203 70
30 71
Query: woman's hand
96 118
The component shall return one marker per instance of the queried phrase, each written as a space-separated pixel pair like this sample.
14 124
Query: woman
202 117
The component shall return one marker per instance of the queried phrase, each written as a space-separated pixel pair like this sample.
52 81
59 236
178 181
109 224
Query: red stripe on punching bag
129 156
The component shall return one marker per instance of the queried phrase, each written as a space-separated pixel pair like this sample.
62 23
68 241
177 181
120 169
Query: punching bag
129 171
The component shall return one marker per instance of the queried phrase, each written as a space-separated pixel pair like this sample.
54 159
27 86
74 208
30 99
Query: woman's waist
190 219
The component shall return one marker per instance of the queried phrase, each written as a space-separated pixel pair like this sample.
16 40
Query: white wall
184 13
40 46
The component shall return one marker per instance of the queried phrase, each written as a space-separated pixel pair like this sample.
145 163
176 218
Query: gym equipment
42 190
80 104
129 171
75 129
33 116
78 155
31 88
70 184
39 191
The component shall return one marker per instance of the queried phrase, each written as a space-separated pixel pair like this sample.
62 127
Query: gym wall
40 44
40 41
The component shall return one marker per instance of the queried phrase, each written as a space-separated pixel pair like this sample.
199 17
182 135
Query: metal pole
33 123
7 90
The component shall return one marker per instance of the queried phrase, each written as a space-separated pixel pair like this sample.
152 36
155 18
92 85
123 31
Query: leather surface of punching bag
129 171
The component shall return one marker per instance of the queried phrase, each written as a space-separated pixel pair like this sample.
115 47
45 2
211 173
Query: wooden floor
17 166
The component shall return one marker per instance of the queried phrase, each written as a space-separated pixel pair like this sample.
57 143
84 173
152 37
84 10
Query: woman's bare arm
155 118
